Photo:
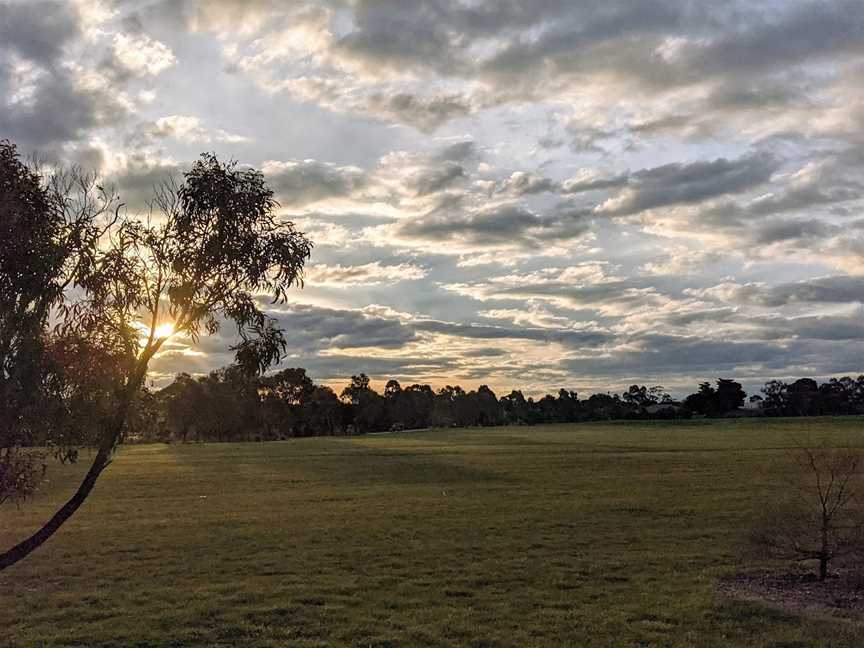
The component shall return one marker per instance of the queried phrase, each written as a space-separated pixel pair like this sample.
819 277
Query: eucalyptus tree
209 250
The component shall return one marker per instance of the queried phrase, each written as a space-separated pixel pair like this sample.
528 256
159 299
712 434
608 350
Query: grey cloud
314 328
839 289
135 183
500 225
59 113
580 27
796 230
38 30
458 152
301 182
571 338
806 29
525 51
60 110
625 294
689 183
824 327
424 113
434 179
774 327
392 34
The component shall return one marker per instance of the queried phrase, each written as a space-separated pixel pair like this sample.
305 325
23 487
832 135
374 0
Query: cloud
426 114
839 289
48 98
186 128
369 274
688 183
521 183
707 215
435 179
503 226
302 182
38 31
143 55
585 286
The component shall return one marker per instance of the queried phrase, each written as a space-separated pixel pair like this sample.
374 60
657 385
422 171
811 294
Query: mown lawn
583 535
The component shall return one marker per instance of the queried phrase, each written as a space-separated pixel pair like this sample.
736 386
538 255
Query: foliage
289 404
20 473
48 227
202 256
708 401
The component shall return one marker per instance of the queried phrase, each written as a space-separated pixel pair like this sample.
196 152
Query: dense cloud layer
659 190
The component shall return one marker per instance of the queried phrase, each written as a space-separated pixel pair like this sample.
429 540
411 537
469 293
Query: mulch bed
800 592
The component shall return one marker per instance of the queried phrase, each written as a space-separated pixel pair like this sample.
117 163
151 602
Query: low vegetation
599 534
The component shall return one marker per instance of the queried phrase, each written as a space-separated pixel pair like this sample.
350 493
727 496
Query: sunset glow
164 330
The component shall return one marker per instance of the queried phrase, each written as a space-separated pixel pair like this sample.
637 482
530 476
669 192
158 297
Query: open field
581 535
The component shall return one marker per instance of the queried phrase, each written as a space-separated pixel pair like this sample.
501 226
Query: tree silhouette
207 248
46 228
728 395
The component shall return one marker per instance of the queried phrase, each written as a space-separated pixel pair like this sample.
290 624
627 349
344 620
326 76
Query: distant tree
638 396
606 407
392 389
776 402
803 397
321 412
489 411
182 403
444 412
370 411
730 395
515 407
727 396
838 396
703 401
568 406
213 246
823 518
411 408
356 389
285 401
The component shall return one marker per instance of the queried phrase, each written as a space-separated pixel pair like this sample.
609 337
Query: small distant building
670 409
744 412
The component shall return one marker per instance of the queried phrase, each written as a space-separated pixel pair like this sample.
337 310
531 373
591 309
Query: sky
534 195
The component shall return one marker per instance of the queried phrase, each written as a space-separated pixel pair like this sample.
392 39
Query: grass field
583 535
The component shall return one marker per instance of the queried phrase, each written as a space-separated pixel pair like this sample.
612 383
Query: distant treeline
230 405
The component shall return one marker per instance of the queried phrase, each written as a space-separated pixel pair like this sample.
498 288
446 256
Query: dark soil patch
800 592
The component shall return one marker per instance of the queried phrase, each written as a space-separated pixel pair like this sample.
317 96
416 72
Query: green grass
584 535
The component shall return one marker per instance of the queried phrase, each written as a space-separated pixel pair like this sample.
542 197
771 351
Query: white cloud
191 129
369 274
143 55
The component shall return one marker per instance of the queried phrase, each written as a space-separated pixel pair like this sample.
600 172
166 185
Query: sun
164 330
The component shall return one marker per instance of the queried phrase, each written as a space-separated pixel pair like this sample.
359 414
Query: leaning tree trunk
28 546
107 444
